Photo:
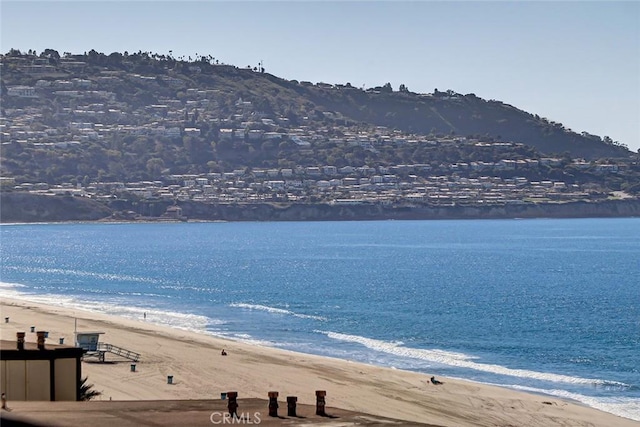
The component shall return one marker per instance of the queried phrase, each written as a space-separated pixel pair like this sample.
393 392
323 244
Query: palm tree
86 390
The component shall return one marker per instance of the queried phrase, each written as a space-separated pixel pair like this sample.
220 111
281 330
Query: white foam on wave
626 407
276 310
247 339
9 286
461 360
173 319
10 290
185 321
91 274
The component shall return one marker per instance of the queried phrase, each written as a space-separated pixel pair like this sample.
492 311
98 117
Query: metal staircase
110 348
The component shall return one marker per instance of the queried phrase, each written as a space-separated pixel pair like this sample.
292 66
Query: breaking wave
276 311
461 360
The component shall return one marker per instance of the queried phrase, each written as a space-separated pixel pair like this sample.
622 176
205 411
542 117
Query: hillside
467 115
144 79
143 128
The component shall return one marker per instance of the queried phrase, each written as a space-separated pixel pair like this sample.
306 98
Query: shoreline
33 208
202 373
107 221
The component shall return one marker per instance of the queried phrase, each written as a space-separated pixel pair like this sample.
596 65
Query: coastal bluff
20 207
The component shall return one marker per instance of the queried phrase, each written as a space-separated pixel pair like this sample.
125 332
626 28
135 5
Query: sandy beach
200 372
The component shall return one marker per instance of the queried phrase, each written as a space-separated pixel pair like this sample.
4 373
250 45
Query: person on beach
434 381
224 353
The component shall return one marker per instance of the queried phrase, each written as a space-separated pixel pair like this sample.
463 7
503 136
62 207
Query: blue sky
577 62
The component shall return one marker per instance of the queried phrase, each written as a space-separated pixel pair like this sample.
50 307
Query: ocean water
547 306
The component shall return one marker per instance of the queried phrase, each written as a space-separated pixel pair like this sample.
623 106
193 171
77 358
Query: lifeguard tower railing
123 352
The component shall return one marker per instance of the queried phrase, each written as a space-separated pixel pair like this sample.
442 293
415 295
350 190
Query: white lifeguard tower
92 347
88 341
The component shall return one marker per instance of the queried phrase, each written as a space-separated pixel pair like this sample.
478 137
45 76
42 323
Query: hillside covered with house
143 133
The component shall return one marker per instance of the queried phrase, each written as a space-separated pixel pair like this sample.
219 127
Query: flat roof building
33 371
